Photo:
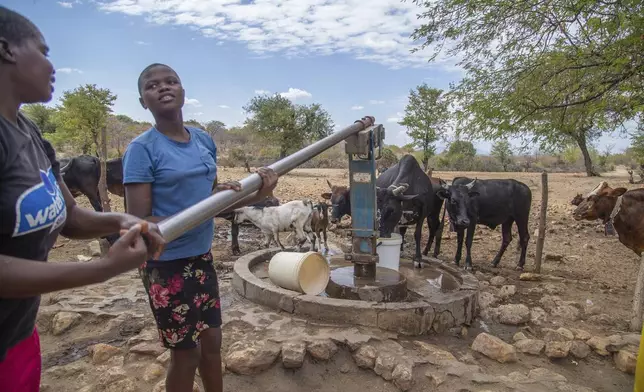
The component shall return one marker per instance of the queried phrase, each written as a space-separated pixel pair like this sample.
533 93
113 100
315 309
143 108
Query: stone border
430 314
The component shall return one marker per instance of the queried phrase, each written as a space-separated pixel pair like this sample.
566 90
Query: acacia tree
289 126
426 116
502 151
82 120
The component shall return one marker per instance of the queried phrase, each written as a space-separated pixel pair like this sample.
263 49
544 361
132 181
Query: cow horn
329 182
400 189
471 184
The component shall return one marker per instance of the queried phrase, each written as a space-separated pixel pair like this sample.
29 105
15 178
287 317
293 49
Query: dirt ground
594 271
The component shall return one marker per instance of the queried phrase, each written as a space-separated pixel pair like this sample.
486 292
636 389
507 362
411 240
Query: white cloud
375 102
197 114
65 4
224 106
357 107
262 92
142 43
378 33
295 93
193 102
397 118
69 70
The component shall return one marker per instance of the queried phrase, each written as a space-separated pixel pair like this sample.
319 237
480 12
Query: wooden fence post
542 222
638 298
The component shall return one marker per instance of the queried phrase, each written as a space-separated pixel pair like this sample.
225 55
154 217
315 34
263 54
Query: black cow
234 228
404 187
490 203
437 222
82 174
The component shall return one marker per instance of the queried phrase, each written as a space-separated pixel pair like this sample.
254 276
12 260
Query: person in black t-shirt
35 206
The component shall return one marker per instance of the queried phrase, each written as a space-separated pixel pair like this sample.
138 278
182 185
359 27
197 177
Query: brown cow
624 209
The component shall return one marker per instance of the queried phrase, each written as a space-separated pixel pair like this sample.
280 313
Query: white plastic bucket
389 251
306 273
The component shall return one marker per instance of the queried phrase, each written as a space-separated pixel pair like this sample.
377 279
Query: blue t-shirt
181 175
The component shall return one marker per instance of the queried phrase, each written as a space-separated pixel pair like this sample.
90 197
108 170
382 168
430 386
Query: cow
405 187
437 222
601 189
577 199
269 201
491 203
82 174
319 224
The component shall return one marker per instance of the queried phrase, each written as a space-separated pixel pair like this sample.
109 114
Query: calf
269 201
319 223
491 203
294 215
340 198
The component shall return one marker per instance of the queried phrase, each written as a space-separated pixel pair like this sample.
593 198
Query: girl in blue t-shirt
167 169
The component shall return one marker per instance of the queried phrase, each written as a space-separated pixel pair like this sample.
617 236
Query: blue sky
351 57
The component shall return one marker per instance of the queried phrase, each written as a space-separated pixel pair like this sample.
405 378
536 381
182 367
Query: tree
213 127
459 155
600 38
194 123
289 126
637 144
82 119
503 153
426 116
42 116
388 158
555 72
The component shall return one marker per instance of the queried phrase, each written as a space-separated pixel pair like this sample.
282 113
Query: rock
153 372
542 374
293 354
494 348
553 257
160 387
513 314
552 289
550 302
618 342
625 361
111 376
94 248
365 357
599 345
154 349
124 385
70 370
402 376
580 334
63 321
538 316
497 281
507 291
83 258
384 366
519 336
591 309
322 350
557 349
530 277
164 358
436 377
530 346
560 335
481 276
579 349
487 300
588 246
251 357
101 353
468 359
566 312
434 354
458 369
602 319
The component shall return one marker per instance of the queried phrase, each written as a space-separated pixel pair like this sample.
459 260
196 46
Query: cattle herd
406 196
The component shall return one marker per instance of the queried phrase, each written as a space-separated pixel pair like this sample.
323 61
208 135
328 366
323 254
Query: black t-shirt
32 213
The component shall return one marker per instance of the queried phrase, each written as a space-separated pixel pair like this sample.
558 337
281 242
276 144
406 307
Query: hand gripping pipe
174 226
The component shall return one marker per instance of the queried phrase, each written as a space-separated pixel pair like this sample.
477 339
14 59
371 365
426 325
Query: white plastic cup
306 273
389 251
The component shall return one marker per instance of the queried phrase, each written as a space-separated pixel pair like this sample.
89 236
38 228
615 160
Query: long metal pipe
174 226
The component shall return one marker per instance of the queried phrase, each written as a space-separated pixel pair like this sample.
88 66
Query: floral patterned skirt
184 298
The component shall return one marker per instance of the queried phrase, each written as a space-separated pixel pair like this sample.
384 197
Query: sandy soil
597 269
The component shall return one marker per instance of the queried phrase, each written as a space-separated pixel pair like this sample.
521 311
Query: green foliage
502 151
194 123
426 116
41 115
213 127
81 116
289 126
460 155
553 73
637 144
388 158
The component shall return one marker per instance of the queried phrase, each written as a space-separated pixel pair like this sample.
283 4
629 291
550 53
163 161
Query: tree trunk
588 163
102 183
425 164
